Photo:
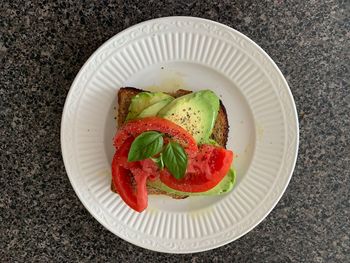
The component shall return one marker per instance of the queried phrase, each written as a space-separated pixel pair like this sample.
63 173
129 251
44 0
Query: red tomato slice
122 174
204 171
123 171
136 127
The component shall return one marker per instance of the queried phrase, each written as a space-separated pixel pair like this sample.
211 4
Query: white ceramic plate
191 53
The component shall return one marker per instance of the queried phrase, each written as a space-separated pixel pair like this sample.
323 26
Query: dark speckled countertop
43 44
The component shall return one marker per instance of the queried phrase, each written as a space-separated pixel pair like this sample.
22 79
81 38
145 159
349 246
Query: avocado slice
143 100
196 112
154 108
224 186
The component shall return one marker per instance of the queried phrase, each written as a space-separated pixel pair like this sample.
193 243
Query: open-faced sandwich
171 144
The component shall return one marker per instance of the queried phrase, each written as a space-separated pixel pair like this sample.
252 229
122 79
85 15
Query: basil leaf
159 161
175 159
145 145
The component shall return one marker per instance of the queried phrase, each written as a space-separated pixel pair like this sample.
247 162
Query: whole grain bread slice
220 131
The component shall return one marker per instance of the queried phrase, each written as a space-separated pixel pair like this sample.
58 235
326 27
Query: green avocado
196 112
154 108
143 100
224 186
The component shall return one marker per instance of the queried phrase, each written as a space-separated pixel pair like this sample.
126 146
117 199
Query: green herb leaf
145 145
175 159
159 161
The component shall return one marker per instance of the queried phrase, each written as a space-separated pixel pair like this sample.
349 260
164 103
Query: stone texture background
43 44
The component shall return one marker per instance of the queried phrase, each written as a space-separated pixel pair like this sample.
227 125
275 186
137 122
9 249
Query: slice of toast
220 131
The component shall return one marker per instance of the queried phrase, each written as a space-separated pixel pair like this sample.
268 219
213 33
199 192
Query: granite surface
44 43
